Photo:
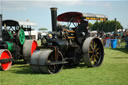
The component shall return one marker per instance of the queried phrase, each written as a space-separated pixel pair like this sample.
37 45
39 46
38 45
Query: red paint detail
66 17
34 46
6 55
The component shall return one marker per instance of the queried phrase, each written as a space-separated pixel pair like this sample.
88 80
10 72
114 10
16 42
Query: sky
38 11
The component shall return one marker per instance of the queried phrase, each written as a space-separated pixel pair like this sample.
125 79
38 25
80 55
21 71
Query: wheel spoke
97 49
90 51
97 56
95 60
95 45
91 57
91 46
97 53
92 62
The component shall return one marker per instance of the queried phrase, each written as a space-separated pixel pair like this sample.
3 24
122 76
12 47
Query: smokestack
0 26
54 18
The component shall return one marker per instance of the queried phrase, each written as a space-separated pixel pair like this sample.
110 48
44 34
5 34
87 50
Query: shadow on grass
20 66
1 69
23 69
75 66
120 57
16 63
125 50
19 62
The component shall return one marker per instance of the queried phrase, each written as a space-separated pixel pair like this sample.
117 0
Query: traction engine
13 45
68 45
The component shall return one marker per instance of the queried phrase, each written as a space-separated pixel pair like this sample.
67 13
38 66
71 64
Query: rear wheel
21 36
93 52
28 48
6 56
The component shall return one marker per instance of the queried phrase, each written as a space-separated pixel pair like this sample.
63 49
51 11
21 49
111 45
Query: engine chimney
0 26
54 18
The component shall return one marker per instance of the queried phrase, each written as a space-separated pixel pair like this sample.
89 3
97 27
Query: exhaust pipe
0 26
54 18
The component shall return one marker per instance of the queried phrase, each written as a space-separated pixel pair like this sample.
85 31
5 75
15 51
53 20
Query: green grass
113 71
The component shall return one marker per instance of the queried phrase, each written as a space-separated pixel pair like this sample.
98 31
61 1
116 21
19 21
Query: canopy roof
10 23
17 23
77 17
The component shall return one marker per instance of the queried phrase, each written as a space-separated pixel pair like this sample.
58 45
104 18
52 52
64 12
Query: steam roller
68 45
13 45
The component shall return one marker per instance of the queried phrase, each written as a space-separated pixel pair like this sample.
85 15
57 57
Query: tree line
106 26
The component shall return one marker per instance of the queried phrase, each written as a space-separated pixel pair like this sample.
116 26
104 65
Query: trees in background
43 29
107 26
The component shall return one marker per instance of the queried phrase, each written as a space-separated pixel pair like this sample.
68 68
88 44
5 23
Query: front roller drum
28 48
44 61
93 52
5 60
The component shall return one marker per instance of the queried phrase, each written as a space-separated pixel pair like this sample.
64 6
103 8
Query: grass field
113 71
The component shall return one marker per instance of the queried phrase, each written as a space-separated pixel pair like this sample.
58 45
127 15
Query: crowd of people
119 36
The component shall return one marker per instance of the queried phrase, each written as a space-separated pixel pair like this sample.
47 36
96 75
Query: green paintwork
10 34
21 36
10 46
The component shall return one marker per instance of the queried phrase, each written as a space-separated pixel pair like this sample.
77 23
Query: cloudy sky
38 11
